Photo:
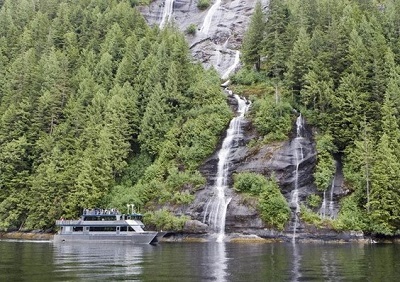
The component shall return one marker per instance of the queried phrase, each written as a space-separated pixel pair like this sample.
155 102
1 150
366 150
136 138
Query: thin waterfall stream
209 16
298 158
329 209
331 203
215 211
167 12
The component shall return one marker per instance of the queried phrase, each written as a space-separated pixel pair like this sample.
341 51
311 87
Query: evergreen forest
336 62
97 109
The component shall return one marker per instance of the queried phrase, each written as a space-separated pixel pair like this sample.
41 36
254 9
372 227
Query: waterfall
233 66
215 211
167 13
208 18
322 211
330 206
299 156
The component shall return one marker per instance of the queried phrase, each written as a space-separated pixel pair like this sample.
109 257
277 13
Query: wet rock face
278 159
217 47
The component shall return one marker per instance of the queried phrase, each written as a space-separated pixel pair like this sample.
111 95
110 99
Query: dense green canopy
98 109
337 61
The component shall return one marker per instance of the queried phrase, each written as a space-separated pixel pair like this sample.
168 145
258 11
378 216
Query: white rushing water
209 16
323 210
323 206
330 206
167 12
233 66
215 212
299 156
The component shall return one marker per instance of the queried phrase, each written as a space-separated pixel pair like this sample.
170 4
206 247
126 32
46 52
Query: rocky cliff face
219 32
279 159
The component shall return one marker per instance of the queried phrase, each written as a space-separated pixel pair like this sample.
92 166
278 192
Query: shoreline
176 237
18 235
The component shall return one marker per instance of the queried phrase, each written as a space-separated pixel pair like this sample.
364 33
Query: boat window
99 218
125 228
102 229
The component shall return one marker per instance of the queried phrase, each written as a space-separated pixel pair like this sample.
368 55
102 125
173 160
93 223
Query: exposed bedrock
216 47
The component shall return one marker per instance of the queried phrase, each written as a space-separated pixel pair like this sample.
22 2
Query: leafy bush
248 182
203 4
163 219
182 197
247 77
350 216
274 209
314 201
271 119
191 29
326 164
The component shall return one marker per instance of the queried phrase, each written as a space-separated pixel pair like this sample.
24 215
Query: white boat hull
147 237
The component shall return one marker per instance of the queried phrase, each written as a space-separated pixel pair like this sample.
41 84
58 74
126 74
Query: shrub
274 209
350 216
271 119
310 217
191 29
326 166
163 219
314 201
248 182
247 77
203 4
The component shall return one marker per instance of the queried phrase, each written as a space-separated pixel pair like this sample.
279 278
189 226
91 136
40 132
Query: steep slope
219 29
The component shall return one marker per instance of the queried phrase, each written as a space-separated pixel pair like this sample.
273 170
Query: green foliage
247 182
191 29
164 220
350 216
314 201
326 167
247 76
251 47
310 217
98 109
272 119
274 209
203 4
340 66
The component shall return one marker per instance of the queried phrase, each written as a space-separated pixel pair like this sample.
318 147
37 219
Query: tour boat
106 226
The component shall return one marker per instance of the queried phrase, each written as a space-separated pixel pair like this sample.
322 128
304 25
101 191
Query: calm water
45 261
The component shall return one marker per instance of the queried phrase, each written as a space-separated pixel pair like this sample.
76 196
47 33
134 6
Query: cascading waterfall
323 206
209 16
167 13
216 207
323 210
330 206
299 156
233 66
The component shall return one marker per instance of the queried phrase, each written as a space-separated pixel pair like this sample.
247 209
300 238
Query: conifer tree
298 63
155 122
252 46
385 195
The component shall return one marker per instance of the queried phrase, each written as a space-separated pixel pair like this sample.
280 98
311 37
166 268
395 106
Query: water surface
45 261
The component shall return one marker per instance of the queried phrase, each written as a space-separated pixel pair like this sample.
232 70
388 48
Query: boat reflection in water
112 261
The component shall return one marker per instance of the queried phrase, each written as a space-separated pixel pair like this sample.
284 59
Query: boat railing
67 222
